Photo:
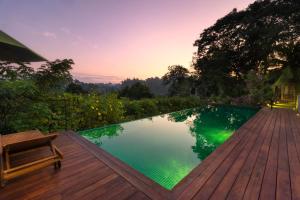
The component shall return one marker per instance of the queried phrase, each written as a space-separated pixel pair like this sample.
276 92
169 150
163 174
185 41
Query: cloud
95 46
49 34
65 30
97 78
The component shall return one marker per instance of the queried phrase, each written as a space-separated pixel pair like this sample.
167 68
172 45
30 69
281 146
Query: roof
14 51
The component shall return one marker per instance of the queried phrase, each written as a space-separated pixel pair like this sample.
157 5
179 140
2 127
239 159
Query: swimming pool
168 147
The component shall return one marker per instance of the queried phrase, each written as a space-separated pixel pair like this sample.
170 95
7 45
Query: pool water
168 147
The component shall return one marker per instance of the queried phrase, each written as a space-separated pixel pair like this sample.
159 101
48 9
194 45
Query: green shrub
93 110
24 107
150 107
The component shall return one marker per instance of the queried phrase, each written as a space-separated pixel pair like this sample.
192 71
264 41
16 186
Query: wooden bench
26 143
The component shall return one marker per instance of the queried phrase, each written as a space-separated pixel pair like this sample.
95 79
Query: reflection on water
167 147
212 126
95 135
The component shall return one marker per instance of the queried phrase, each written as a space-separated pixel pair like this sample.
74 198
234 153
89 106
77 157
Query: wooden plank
253 188
67 179
183 184
140 181
296 130
241 182
123 191
67 186
21 137
200 181
268 188
39 187
225 183
283 190
294 161
107 190
70 167
89 191
85 179
138 196
81 170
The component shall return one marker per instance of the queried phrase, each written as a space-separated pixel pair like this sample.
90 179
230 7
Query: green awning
14 51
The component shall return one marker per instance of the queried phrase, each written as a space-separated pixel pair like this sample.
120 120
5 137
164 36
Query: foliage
289 59
252 39
100 88
136 91
17 99
37 100
149 107
75 88
70 111
15 71
135 109
23 108
260 91
155 85
54 76
179 80
129 82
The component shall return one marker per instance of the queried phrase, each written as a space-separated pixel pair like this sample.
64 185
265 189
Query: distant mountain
102 88
155 85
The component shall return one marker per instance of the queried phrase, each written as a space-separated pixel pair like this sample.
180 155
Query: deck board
241 137
260 161
227 181
218 153
268 188
208 189
283 177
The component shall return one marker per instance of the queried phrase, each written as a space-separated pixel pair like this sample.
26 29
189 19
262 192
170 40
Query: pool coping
145 184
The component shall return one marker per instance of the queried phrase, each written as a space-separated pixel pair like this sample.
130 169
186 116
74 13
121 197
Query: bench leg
57 165
2 183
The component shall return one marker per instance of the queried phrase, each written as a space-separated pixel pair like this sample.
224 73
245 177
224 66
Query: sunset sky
110 40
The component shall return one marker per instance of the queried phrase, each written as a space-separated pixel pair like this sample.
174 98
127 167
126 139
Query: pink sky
111 40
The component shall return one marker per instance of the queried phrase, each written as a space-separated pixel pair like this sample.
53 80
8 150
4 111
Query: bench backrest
30 144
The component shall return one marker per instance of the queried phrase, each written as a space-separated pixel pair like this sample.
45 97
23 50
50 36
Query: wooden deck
260 161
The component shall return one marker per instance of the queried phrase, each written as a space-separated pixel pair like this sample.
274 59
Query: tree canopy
259 38
138 90
178 79
55 75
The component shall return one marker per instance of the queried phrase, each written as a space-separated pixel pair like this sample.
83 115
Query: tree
75 88
178 80
243 41
129 82
260 90
17 97
136 91
156 86
15 71
54 76
288 59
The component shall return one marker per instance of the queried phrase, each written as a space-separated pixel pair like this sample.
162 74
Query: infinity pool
168 147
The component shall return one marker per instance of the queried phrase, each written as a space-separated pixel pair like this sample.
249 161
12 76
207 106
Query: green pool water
168 147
